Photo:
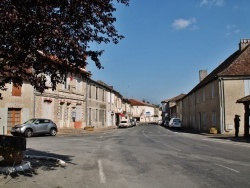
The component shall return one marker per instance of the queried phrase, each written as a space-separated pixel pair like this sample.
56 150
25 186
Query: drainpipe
222 106
34 104
110 106
86 102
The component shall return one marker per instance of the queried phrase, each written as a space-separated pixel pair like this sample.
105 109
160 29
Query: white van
124 123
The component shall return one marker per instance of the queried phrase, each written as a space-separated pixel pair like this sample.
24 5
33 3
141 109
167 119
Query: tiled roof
245 99
174 99
56 60
139 103
236 65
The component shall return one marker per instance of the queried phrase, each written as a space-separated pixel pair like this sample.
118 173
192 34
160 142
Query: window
96 93
60 112
247 87
203 94
78 85
78 113
108 97
96 115
66 114
212 91
16 91
204 118
47 110
112 98
103 95
90 91
90 120
197 97
102 116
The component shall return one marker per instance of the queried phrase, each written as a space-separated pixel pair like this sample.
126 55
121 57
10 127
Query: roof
174 99
58 61
110 88
245 99
236 65
135 102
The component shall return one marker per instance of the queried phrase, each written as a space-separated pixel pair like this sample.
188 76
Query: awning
121 114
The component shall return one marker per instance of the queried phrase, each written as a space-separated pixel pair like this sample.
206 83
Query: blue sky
167 42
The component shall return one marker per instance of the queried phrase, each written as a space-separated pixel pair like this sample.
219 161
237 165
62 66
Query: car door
44 125
40 126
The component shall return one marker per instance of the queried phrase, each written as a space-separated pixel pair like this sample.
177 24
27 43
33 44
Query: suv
35 126
175 122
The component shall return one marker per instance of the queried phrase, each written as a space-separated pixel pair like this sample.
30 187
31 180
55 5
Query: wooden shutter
16 91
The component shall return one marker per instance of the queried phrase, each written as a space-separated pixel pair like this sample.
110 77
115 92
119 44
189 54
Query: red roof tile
236 65
245 99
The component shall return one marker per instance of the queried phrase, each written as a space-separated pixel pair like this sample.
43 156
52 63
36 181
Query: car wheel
52 132
28 133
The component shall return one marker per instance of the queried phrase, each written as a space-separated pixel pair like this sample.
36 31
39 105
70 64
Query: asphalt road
147 156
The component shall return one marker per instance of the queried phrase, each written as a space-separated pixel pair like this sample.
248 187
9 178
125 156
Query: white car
175 122
159 122
124 123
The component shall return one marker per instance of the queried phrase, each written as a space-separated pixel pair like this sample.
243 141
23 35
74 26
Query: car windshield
30 121
176 120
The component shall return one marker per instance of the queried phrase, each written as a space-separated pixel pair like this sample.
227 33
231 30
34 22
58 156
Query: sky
167 42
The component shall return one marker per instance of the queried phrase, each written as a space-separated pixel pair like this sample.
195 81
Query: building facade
77 103
144 112
212 102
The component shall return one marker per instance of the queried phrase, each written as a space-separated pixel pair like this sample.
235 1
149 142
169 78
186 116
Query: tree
52 37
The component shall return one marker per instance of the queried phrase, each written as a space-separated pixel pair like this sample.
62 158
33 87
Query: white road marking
101 173
171 147
228 168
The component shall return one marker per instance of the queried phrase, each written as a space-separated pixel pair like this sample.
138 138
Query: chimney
243 44
202 74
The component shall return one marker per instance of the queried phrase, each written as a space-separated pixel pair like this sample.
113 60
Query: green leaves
44 36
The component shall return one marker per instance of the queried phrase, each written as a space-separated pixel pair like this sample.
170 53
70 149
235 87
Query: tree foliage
52 37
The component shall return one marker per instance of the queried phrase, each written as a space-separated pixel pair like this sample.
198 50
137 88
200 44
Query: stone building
212 102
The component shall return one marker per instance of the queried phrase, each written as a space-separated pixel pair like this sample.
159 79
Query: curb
81 130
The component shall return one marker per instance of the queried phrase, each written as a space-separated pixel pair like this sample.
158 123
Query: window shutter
16 91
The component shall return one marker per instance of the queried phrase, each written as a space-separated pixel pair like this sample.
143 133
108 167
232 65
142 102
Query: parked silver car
35 126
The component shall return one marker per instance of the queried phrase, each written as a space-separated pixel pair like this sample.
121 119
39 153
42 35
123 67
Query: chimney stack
243 44
202 74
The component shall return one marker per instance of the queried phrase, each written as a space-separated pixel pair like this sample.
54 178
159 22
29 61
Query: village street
145 156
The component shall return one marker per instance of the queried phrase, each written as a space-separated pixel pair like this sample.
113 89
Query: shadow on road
45 163
231 138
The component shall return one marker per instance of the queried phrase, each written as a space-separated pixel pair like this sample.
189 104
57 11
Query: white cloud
232 29
210 3
184 24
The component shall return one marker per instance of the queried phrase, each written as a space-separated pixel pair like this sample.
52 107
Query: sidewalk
62 131
225 136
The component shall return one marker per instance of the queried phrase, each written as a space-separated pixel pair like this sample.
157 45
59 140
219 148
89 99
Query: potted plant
213 130
89 128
